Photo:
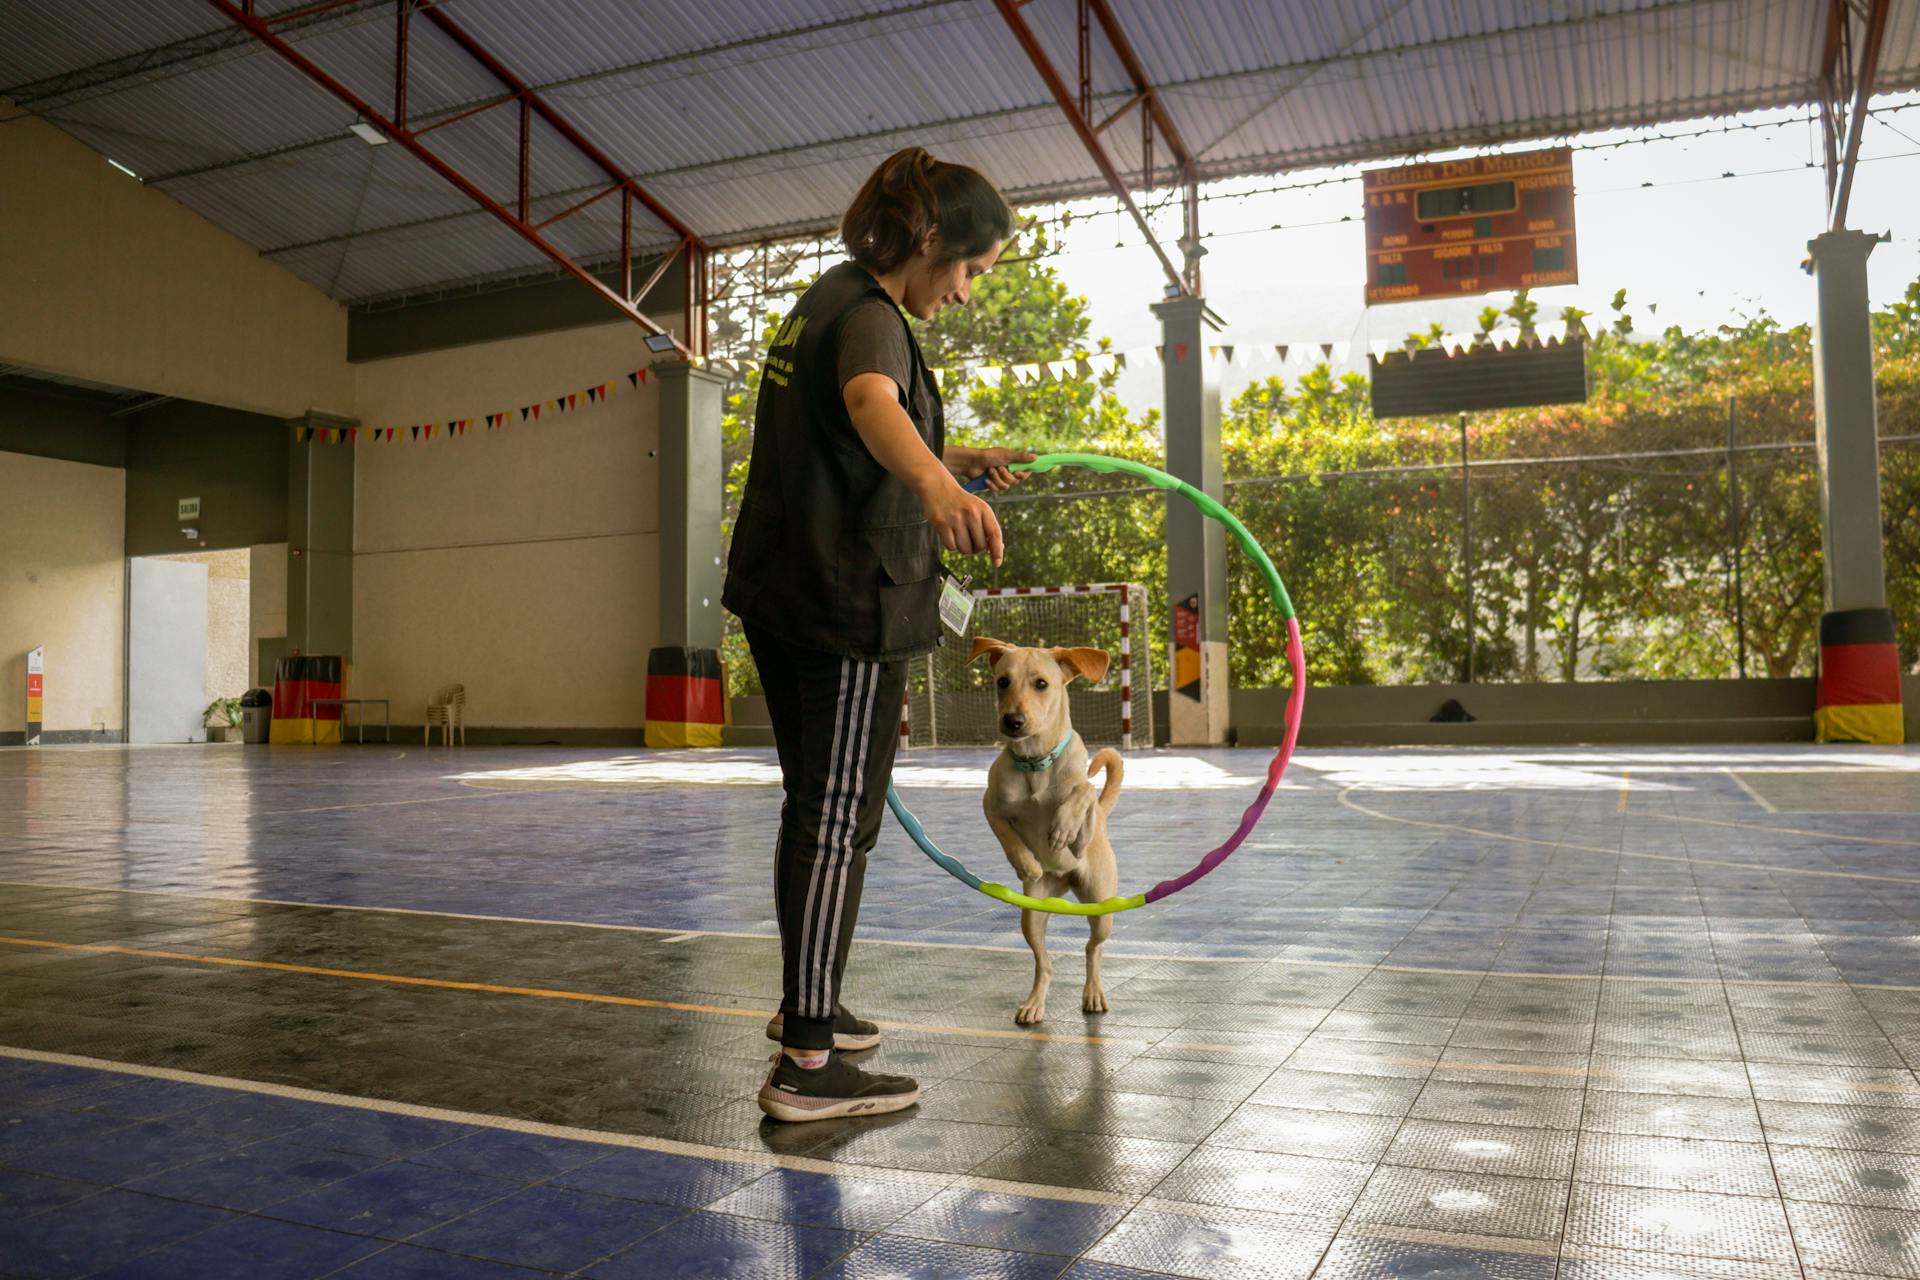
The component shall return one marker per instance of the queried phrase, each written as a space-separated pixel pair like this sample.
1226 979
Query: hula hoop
1296 698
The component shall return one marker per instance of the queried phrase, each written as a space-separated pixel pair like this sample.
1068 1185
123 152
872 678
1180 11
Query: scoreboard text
1479 225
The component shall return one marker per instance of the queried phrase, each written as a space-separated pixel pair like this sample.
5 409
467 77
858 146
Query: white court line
1785 831
1357 807
669 1146
683 935
932 1182
1754 795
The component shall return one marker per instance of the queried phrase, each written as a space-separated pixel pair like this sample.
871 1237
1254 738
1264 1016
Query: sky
1657 217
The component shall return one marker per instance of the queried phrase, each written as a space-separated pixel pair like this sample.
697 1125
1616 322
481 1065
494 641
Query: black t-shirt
830 551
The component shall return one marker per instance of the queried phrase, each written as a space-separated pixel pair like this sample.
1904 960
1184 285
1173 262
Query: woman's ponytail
911 194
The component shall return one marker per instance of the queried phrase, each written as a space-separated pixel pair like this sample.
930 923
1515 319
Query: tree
1601 531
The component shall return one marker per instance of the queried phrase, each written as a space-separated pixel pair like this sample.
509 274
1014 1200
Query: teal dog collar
1042 763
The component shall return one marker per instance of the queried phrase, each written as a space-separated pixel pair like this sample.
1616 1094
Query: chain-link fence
1695 561
1695 554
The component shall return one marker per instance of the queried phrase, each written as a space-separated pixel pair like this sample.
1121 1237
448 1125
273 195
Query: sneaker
793 1092
849 1033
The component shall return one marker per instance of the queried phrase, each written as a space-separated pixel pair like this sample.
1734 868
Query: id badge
956 603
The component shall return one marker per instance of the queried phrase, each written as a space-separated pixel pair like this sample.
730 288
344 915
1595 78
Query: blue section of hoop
919 836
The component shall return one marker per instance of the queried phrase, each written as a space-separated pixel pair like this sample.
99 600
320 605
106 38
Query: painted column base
686 698
1858 699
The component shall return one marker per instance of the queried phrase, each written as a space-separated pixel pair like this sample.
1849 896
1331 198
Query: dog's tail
1109 759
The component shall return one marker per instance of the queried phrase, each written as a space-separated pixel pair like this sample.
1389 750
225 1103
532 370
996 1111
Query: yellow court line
542 993
1360 1054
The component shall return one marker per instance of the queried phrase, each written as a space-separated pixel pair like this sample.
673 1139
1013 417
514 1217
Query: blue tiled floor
1512 1015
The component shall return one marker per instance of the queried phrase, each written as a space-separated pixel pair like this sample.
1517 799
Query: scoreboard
1480 225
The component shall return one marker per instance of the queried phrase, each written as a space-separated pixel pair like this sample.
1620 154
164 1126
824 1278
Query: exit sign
189 508
1480 225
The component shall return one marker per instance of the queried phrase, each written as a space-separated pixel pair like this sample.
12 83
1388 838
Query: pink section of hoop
1296 699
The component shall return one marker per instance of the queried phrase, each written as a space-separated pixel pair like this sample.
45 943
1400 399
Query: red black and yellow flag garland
448 428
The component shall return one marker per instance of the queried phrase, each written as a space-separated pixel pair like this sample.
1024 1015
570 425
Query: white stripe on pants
833 846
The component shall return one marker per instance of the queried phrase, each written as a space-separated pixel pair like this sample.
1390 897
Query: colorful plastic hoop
1296 698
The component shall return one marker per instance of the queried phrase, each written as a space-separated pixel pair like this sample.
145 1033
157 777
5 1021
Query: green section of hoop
1161 480
1060 906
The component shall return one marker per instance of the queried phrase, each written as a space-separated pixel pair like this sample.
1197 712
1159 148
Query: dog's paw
1093 1000
1071 822
1031 1012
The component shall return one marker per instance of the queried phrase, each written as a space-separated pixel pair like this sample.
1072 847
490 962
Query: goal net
950 701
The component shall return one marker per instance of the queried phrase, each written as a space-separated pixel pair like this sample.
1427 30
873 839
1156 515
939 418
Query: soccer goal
950 701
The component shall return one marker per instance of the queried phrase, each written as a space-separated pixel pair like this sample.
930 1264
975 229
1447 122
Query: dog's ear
989 646
1091 664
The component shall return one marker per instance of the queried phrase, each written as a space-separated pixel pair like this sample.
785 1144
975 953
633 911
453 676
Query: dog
1041 803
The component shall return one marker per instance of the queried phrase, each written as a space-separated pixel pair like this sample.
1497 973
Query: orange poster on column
36 693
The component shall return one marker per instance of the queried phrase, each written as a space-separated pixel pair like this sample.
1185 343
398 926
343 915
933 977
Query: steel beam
1184 285
402 12
1160 121
241 14
1849 63
558 122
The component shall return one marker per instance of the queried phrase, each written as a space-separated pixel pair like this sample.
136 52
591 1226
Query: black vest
830 551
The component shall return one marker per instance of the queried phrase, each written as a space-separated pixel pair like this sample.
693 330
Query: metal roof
754 119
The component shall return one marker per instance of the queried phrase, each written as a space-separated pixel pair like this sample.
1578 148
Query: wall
62 585
112 281
1540 714
521 563
266 609
234 462
51 421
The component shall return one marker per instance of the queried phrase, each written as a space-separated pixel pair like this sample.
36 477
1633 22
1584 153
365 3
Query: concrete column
691 480
320 542
1196 546
1844 422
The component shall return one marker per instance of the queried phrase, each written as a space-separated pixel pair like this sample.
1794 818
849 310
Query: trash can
256 716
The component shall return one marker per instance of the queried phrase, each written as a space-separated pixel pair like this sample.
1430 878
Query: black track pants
837 724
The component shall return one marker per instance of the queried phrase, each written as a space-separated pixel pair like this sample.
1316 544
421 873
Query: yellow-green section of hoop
1060 906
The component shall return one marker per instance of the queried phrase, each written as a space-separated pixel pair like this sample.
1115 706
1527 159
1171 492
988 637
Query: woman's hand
963 522
994 463
968 463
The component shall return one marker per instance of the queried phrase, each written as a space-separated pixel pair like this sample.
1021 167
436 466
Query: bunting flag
1075 366
498 420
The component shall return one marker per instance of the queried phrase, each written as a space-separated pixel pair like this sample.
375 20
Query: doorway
188 641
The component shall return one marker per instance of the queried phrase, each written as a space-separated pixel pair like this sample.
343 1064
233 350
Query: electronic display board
1479 225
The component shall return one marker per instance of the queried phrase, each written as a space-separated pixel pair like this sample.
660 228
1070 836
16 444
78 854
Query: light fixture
659 343
122 168
367 133
190 533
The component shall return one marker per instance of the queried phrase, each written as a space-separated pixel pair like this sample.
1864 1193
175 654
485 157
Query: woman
835 575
